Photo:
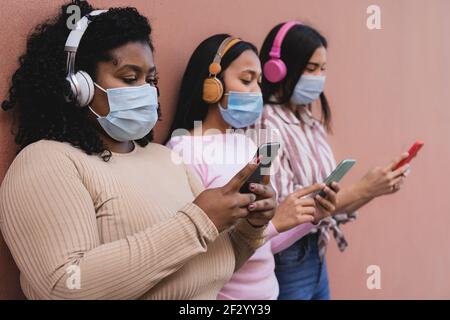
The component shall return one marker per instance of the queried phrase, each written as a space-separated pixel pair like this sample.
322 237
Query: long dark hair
297 48
38 88
190 106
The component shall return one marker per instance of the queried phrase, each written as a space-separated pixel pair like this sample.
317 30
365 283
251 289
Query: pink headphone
275 69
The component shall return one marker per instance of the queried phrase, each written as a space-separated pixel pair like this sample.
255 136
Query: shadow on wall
9 277
27 17
9 274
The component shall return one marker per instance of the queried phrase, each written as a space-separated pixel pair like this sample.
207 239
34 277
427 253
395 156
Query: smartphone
412 153
336 176
269 152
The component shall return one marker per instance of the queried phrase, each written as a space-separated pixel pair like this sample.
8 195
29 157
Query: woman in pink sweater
202 134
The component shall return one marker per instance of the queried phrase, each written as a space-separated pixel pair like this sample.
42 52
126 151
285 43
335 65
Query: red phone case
412 153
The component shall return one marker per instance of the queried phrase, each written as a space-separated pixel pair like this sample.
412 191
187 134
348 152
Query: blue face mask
308 89
133 112
243 108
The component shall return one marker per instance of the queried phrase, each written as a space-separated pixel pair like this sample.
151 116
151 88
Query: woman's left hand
326 206
263 209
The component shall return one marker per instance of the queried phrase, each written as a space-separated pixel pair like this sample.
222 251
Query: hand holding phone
268 153
226 205
411 154
336 176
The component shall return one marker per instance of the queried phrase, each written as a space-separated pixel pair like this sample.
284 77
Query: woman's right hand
383 180
225 205
295 209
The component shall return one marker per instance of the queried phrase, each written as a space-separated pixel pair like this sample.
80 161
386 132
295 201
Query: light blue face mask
243 108
133 112
308 89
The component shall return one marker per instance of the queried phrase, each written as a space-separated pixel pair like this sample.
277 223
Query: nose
256 88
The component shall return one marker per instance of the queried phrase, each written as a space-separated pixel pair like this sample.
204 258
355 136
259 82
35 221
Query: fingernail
407 172
252 186
251 207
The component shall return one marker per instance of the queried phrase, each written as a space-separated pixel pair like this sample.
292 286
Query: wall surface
387 88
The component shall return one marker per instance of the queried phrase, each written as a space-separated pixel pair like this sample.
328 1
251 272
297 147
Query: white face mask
308 89
133 112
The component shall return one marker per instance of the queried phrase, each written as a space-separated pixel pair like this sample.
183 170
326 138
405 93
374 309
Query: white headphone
81 83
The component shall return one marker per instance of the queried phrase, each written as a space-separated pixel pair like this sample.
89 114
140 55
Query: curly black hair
38 87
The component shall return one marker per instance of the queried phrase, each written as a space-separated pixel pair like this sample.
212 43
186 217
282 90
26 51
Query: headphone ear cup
275 70
212 90
85 88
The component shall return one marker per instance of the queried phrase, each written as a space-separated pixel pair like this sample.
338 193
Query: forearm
285 239
356 205
123 269
352 198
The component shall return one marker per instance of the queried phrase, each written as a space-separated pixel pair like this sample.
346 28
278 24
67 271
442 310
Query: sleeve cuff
271 231
250 232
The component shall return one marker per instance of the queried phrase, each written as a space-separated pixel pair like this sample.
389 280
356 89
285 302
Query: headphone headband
275 52
81 84
224 47
74 39
213 87
227 44
275 69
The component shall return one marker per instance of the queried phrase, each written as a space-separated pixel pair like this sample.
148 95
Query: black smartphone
269 152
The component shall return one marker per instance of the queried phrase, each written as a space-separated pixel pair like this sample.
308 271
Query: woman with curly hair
90 208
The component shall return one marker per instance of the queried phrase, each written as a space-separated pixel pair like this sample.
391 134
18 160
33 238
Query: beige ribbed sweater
82 228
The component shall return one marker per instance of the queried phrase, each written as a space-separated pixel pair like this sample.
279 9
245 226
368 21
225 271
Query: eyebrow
316 64
137 68
253 72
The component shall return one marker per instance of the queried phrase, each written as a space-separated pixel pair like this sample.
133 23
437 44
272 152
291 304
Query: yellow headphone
212 87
